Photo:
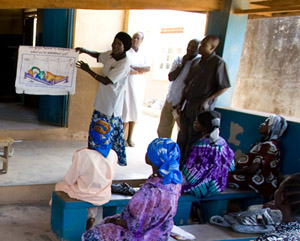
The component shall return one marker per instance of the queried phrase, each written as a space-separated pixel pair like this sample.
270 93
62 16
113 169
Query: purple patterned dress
207 166
149 215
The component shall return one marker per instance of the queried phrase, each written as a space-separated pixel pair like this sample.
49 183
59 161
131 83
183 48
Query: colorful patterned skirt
116 136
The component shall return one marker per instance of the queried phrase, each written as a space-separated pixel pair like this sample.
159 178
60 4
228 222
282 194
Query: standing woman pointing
110 95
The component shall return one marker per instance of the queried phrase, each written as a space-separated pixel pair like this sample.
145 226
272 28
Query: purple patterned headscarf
165 154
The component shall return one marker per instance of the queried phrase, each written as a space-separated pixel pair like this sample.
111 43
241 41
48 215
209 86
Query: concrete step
54 133
25 194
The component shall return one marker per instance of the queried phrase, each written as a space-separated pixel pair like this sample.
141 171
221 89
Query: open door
55 29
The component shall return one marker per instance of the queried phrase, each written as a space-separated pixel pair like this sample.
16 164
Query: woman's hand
82 65
110 220
250 170
117 221
270 205
79 49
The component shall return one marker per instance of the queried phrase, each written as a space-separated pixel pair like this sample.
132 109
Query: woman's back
207 166
149 214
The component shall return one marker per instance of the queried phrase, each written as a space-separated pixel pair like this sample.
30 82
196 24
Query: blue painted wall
289 144
231 30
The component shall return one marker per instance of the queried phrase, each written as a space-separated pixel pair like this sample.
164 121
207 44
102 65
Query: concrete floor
14 116
46 162
25 223
36 166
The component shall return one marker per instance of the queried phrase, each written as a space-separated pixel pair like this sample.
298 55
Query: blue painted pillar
231 30
58 27
57 31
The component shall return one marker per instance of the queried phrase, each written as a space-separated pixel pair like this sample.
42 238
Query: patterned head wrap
125 39
212 121
99 138
165 154
276 126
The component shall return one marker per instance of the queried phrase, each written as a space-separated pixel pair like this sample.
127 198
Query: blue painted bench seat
217 204
68 215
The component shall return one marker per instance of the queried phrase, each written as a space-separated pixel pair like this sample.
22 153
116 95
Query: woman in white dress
134 92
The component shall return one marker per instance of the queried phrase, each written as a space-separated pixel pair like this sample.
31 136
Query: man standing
204 83
135 88
177 75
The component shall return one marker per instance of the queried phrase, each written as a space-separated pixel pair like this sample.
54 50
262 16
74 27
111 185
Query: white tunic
135 88
109 98
176 86
90 176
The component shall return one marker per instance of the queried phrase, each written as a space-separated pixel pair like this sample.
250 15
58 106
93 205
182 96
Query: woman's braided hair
291 192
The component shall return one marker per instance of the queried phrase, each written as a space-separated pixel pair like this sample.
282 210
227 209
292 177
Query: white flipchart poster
46 70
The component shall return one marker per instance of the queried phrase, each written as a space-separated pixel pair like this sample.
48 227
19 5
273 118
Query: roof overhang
188 5
255 8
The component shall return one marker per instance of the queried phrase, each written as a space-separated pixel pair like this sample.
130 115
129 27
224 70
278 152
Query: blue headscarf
99 137
165 154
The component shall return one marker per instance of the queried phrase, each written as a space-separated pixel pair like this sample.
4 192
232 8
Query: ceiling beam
286 14
275 15
267 10
188 5
280 3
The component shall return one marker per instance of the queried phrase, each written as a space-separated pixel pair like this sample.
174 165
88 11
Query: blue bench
217 204
69 216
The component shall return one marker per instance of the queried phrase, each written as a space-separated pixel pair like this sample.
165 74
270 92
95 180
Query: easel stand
5 142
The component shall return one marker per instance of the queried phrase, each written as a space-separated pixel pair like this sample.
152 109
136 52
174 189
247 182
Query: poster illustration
46 71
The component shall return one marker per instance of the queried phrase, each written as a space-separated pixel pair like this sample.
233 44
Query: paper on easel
46 70
180 234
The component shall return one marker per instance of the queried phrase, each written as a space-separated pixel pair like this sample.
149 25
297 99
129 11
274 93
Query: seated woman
259 168
149 214
287 199
210 159
90 175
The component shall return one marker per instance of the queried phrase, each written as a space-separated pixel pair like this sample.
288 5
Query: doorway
19 27
16 28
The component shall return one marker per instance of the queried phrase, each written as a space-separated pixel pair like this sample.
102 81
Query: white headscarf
276 126
215 134
212 121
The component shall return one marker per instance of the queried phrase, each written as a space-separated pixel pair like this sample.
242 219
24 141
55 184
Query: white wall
269 73
96 29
